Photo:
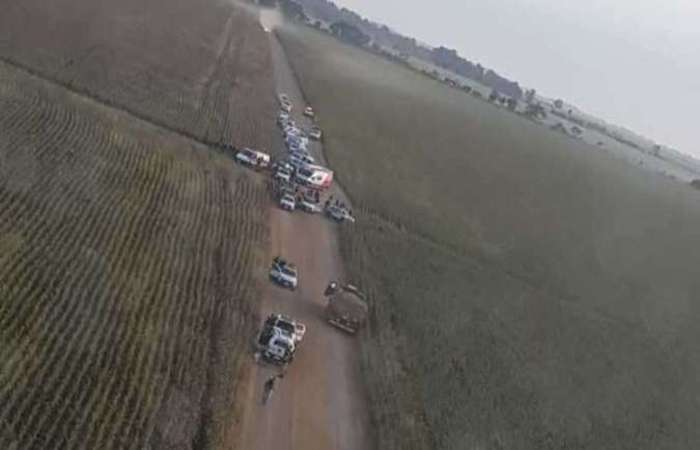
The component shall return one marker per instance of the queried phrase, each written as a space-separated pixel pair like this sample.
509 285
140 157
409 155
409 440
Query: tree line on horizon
357 30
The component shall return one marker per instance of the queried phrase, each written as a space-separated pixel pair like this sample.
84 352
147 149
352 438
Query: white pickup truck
315 133
252 158
279 338
288 202
284 273
309 206
283 174
290 327
339 214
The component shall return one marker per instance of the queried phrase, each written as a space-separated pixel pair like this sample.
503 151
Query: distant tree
512 103
502 85
479 72
695 183
445 57
467 89
293 10
317 24
558 103
559 127
530 95
493 97
535 110
350 33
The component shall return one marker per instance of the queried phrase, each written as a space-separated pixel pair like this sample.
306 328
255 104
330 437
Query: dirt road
320 403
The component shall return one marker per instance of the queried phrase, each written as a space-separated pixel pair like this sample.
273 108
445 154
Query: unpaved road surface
320 404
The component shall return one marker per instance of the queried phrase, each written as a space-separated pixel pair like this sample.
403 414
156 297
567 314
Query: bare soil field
527 293
128 277
199 67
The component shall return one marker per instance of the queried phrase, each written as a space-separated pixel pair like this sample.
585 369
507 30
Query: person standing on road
269 387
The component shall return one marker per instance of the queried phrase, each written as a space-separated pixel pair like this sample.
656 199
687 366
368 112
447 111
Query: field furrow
75 316
132 343
99 317
137 395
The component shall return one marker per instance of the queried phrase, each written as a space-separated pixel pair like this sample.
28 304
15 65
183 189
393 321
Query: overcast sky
635 63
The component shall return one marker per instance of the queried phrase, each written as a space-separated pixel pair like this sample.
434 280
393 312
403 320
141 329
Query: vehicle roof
255 152
305 171
280 316
282 335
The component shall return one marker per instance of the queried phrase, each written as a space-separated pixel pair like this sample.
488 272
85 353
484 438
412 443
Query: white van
253 158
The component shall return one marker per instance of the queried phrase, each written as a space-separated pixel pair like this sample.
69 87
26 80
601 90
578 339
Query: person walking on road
269 387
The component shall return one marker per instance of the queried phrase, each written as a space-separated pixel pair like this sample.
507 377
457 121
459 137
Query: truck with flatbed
346 307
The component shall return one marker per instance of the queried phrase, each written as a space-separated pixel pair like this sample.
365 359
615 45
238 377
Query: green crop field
126 276
198 67
528 292
128 250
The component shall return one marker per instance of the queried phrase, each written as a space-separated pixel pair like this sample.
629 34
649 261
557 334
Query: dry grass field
201 68
527 291
128 250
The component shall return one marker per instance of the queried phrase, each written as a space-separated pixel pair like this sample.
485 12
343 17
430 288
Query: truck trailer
346 307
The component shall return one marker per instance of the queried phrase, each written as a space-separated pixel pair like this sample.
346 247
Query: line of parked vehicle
280 335
302 184
301 181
